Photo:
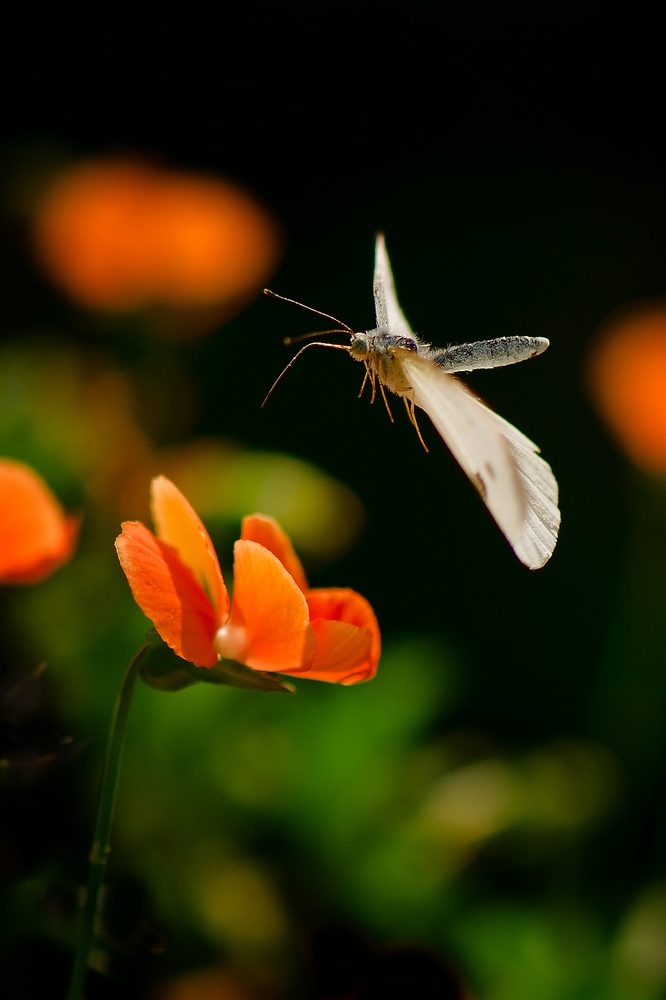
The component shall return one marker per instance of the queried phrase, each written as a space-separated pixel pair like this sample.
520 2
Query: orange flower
628 376
122 235
36 536
275 623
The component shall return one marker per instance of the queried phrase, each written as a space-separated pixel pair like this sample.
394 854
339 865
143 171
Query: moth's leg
388 408
367 376
411 413
373 383
409 404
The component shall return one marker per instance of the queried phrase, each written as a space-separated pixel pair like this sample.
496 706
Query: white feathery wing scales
516 484
389 314
520 491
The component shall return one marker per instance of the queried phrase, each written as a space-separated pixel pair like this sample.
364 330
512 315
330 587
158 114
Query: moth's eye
359 346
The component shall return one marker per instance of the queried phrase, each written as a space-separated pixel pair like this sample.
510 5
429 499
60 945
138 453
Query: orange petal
343 653
179 526
340 604
272 610
265 530
167 592
35 534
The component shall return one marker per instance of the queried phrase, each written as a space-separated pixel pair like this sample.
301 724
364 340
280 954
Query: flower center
230 642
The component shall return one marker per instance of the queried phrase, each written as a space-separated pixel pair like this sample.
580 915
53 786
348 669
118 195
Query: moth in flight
516 484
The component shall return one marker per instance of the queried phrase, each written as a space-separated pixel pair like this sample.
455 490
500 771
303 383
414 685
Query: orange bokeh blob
205 984
122 235
628 376
36 536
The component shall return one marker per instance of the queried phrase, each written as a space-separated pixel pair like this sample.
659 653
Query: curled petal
180 527
35 534
342 605
272 610
167 592
343 653
267 532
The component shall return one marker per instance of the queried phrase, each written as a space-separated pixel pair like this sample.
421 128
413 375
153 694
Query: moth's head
359 346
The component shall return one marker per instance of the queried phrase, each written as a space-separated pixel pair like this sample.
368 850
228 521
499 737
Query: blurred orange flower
123 234
205 984
628 377
276 623
36 536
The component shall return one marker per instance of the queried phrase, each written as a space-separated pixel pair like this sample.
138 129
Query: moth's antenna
306 336
318 312
317 343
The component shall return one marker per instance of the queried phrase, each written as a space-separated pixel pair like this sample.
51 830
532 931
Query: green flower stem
100 848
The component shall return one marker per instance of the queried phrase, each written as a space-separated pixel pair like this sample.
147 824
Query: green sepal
161 668
164 670
237 675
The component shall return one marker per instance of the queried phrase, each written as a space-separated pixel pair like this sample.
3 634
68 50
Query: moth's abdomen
488 353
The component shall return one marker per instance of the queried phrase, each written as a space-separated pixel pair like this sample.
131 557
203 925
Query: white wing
516 484
389 314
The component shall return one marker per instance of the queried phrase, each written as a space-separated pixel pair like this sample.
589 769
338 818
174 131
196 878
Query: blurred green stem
100 848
